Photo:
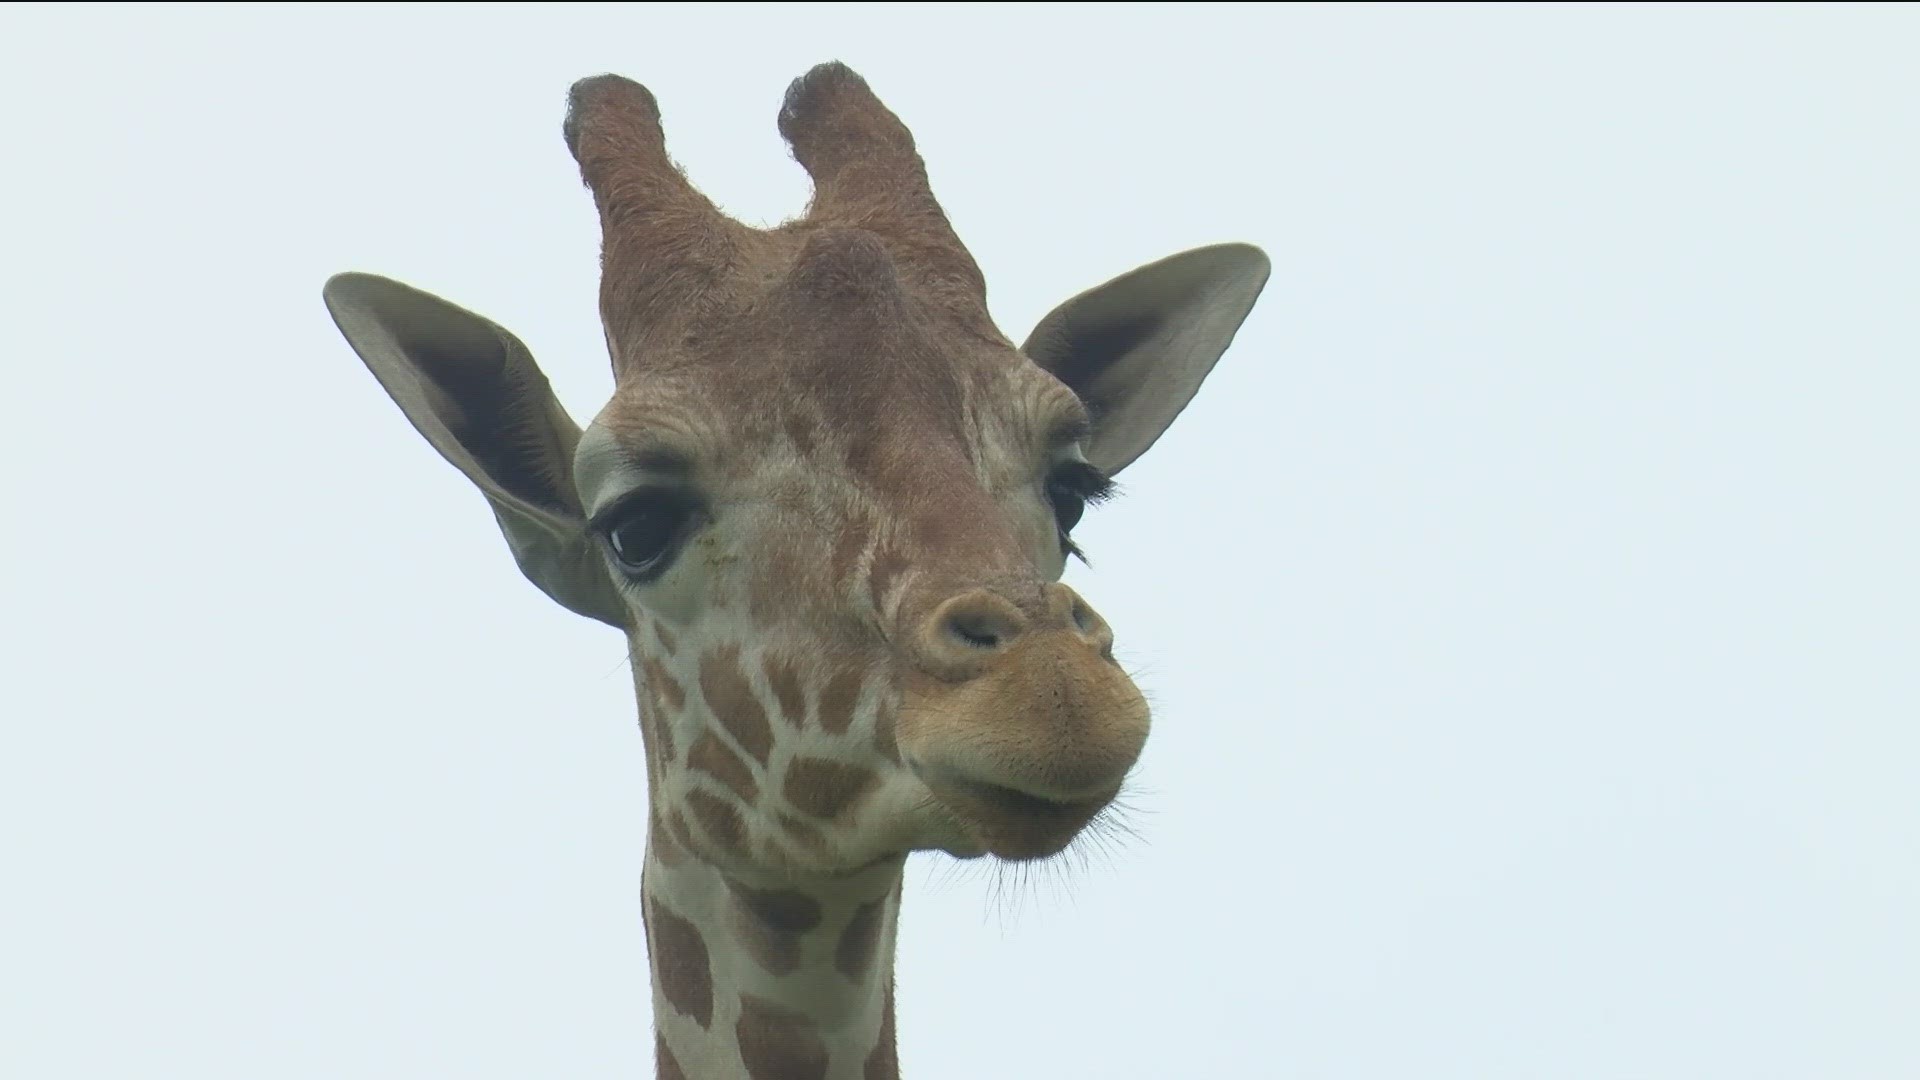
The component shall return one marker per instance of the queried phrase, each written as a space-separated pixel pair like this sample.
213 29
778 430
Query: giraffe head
829 502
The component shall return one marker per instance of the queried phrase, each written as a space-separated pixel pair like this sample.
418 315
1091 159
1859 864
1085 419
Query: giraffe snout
1022 724
966 635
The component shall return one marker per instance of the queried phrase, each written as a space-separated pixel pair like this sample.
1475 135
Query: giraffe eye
645 531
1071 488
1068 506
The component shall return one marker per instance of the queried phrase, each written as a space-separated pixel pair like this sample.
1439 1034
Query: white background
1528 599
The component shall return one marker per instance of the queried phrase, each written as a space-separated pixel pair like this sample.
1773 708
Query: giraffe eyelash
1072 488
1084 482
1074 551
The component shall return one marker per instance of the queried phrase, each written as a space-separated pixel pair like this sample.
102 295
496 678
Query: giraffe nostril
982 627
1084 619
970 628
979 633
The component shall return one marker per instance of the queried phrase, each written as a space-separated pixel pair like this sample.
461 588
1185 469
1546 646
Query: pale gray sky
1528 599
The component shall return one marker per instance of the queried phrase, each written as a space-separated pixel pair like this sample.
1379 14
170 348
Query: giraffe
829 504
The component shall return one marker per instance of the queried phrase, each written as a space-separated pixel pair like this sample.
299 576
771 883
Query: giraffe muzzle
1020 722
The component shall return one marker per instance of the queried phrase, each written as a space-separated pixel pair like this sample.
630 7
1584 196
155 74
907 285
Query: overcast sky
1528 599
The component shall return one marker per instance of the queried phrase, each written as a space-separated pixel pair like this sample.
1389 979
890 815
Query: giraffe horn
868 175
661 240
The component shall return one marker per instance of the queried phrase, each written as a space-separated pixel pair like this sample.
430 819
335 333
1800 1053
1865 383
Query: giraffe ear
1136 348
474 391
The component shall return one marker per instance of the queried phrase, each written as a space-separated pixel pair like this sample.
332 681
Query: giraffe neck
763 977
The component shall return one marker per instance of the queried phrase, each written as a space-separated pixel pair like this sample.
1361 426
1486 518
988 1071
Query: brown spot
786 910
732 700
721 821
822 789
665 1067
667 644
771 922
884 1062
778 1043
859 941
660 845
778 953
711 756
785 681
680 965
662 701
837 701
681 832
666 686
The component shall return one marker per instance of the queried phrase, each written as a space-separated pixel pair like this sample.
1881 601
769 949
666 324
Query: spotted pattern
860 941
677 823
719 819
660 845
824 789
786 910
664 699
665 1067
837 701
884 1062
672 695
784 679
732 701
681 967
771 924
777 1043
711 756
